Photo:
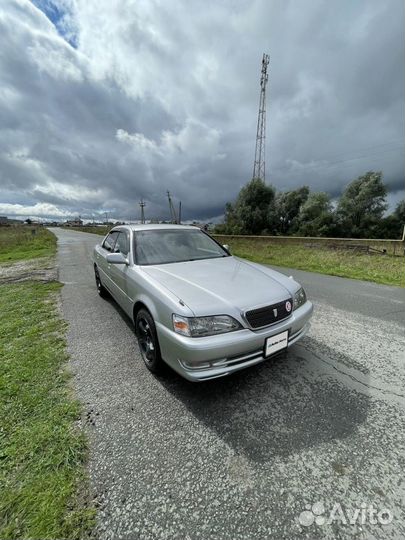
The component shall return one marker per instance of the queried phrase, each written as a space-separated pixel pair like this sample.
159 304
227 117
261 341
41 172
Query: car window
164 246
122 243
109 242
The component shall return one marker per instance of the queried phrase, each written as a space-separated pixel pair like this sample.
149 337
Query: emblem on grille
275 312
288 306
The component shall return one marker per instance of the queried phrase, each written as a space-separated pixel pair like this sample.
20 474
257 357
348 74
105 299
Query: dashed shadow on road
279 407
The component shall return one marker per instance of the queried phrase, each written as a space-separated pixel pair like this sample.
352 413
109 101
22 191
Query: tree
399 212
392 226
231 225
362 205
249 214
316 216
359 212
286 208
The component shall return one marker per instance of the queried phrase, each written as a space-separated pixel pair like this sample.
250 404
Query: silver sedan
195 306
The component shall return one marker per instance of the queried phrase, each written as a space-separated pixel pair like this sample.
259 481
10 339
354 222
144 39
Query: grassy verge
42 451
23 242
385 269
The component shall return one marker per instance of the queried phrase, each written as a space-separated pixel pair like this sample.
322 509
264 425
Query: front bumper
199 359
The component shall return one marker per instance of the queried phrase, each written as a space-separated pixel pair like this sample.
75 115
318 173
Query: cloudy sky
103 103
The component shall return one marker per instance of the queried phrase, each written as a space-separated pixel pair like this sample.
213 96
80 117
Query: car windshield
165 246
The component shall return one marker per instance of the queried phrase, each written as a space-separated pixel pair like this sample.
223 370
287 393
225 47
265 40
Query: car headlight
204 326
299 298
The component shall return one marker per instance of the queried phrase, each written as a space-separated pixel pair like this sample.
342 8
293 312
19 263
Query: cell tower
142 204
259 167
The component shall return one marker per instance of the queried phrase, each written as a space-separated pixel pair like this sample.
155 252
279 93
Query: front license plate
275 343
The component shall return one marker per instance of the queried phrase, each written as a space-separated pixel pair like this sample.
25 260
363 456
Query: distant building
30 221
74 223
4 220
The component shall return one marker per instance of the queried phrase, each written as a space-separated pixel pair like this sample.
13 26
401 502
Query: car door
119 272
107 247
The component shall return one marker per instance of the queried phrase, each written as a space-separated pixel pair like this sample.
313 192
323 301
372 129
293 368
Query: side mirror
116 258
225 246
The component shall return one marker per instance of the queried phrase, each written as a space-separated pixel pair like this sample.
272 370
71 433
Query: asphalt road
247 456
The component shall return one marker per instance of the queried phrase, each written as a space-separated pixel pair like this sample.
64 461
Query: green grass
385 269
42 450
25 242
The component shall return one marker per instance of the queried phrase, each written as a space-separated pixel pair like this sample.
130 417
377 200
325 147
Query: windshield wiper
204 258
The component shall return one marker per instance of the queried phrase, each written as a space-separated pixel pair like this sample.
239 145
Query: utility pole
179 222
259 167
142 204
173 215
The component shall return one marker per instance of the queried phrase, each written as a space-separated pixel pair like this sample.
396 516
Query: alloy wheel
146 341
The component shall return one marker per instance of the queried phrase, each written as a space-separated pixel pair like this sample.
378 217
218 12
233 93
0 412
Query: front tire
102 291
148 341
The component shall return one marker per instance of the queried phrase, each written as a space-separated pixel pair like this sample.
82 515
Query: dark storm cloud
158 97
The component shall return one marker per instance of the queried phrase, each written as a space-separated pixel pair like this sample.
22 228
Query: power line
348 152
338 162
364 149
173 215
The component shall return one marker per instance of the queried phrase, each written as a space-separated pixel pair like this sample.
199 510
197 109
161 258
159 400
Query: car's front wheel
148 342
102 291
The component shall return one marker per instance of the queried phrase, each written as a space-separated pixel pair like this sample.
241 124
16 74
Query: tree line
360 211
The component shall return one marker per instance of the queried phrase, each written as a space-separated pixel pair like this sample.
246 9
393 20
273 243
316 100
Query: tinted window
122 243
168 246
109 242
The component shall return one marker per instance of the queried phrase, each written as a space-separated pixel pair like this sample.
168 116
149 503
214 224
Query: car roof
155 226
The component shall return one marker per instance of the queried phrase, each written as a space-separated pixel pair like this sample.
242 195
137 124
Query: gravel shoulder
247 456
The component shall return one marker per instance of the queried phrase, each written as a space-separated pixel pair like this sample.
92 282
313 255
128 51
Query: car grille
269 314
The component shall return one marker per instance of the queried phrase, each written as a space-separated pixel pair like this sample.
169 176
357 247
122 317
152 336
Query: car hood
211 286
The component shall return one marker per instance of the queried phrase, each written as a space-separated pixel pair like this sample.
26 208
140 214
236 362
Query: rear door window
109 242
